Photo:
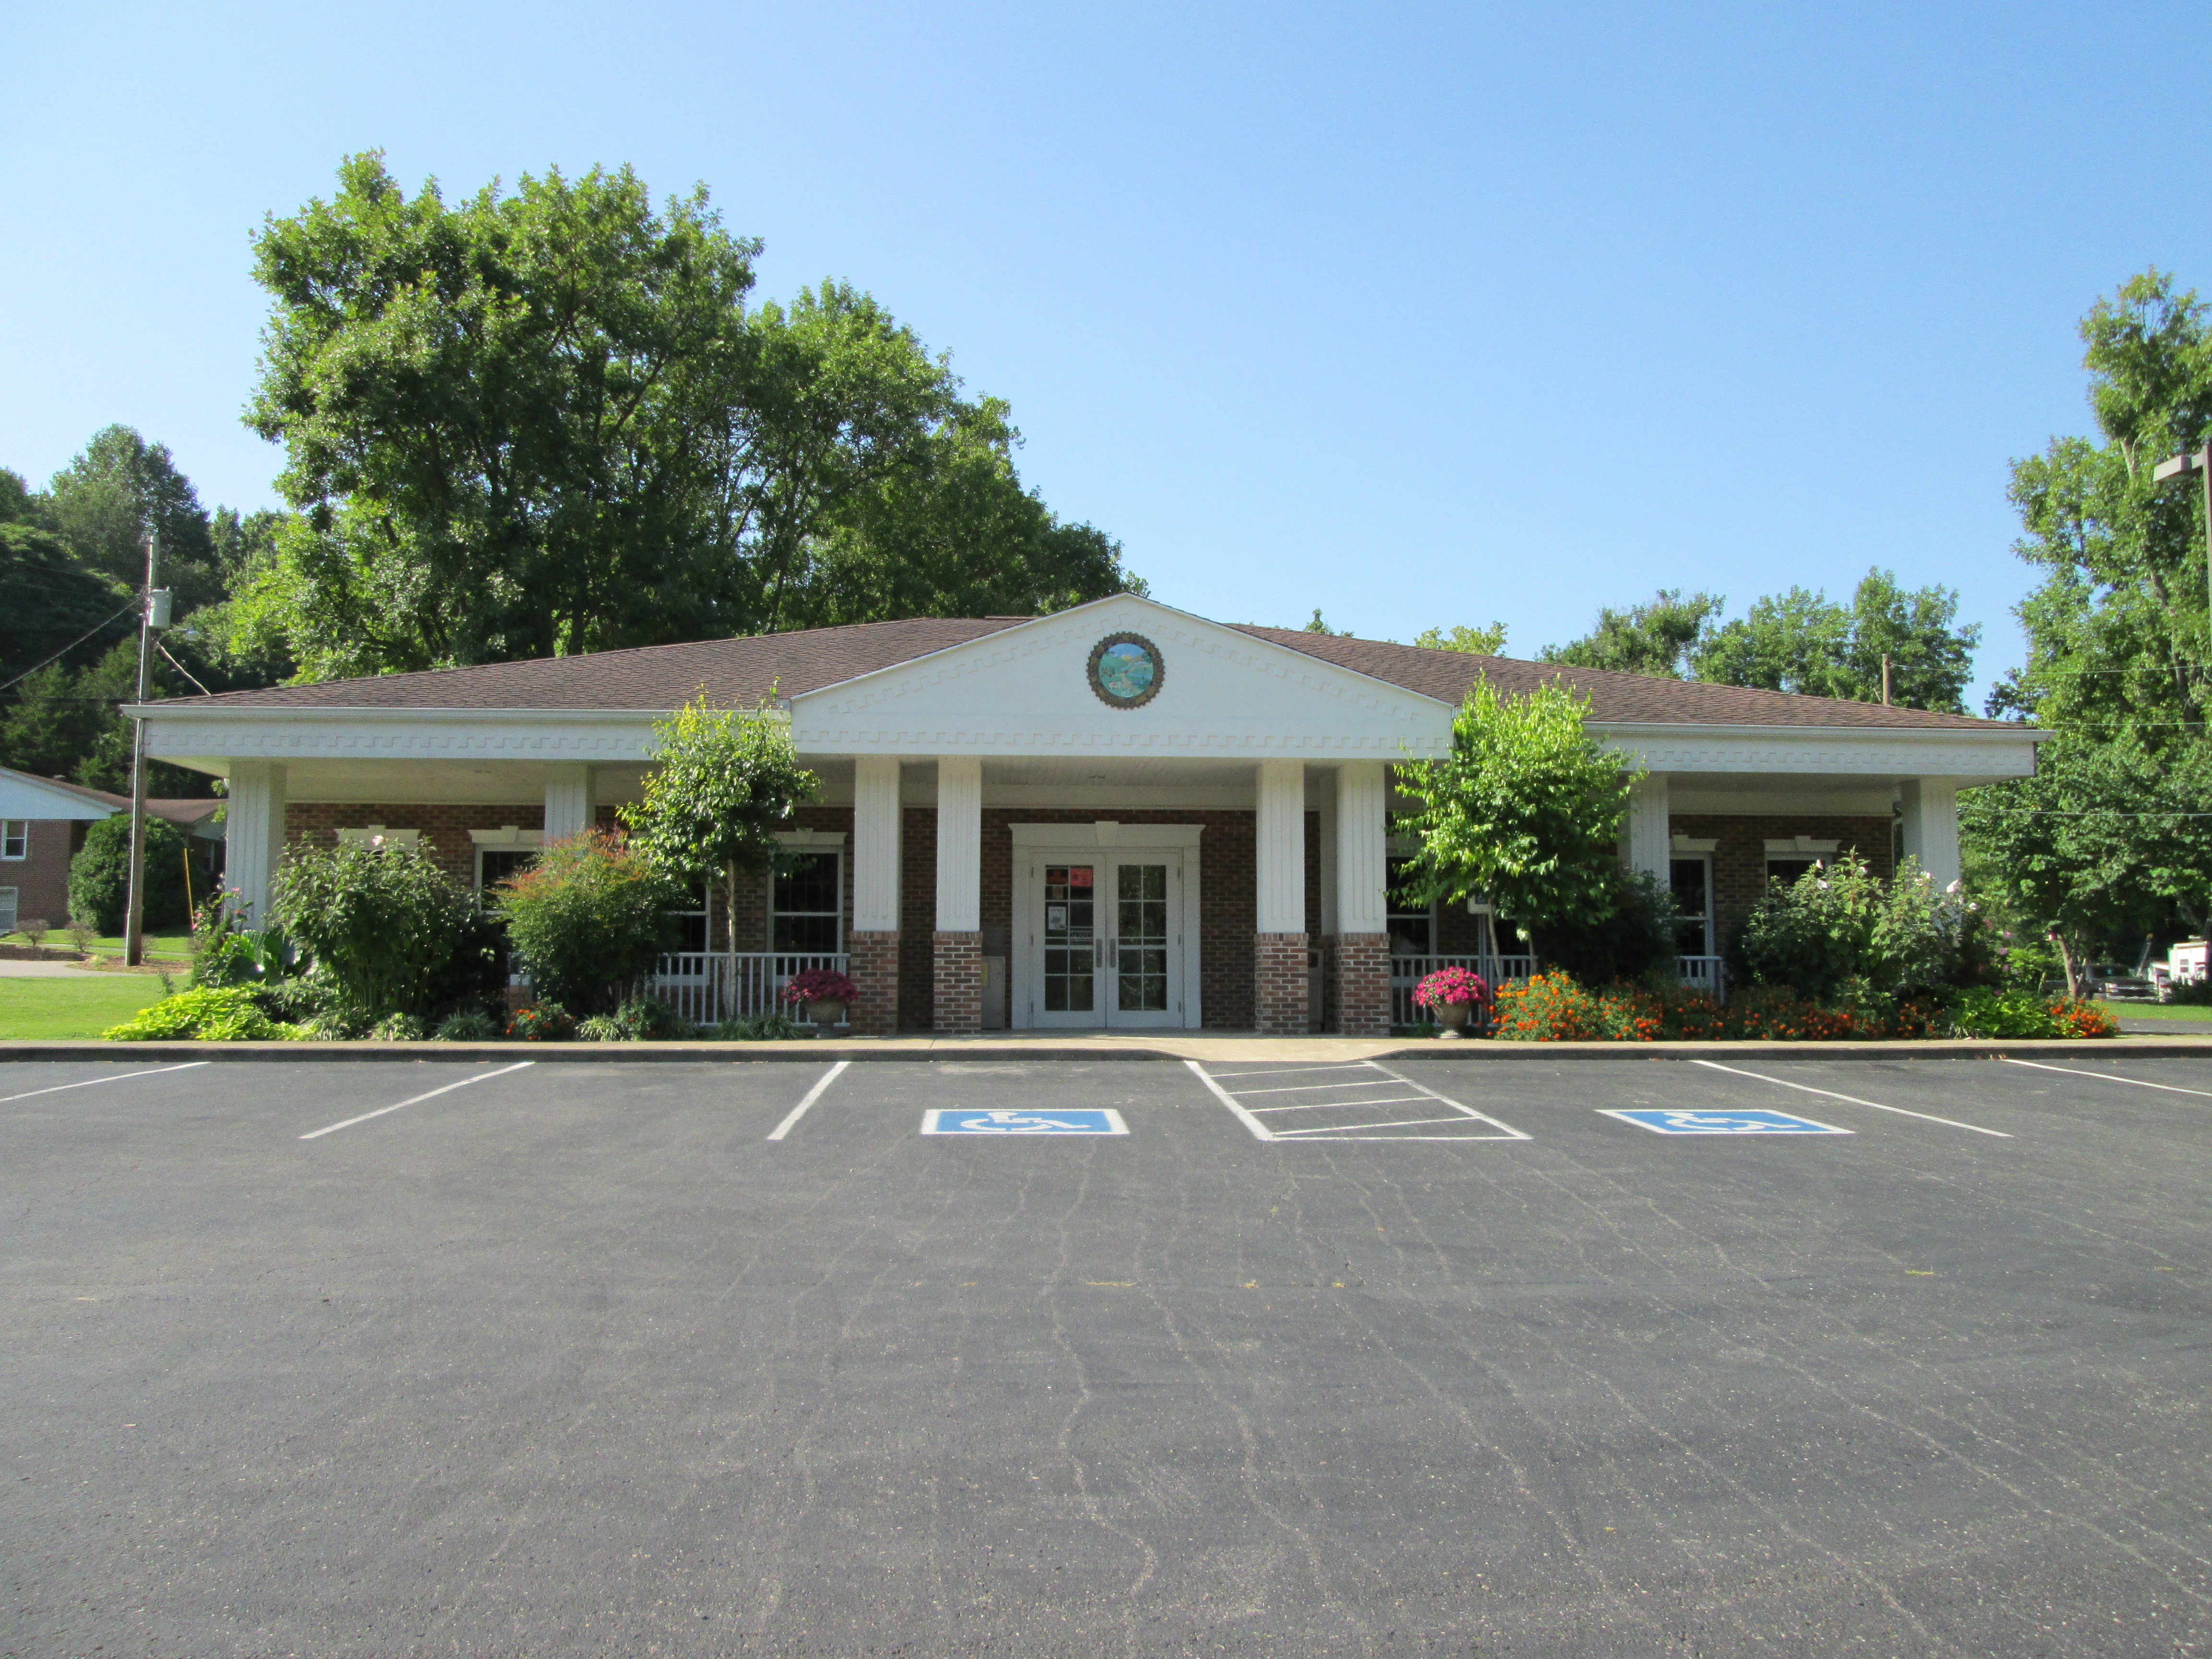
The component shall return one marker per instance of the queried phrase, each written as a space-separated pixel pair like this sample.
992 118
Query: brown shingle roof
1614 698
741 672
735 673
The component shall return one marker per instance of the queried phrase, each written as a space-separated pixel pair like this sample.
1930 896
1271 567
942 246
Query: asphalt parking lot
1253 1358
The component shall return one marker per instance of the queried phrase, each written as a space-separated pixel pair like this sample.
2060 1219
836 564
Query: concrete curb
1219 1049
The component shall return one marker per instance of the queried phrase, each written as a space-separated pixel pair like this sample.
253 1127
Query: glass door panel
1069 936
1141 938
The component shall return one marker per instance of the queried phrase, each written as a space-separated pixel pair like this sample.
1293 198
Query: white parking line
121 1077
482 1077
821 1085
1807 1088
1249 1115
2109 1077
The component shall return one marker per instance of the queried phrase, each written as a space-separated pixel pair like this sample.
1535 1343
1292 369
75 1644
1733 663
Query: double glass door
1107 943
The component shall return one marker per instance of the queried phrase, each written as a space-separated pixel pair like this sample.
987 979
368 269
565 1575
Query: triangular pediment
1028 691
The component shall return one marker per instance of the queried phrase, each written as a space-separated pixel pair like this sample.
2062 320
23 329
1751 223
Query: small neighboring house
43 823
1118 815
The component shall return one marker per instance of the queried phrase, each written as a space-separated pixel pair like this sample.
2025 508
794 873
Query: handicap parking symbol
1033 1121
1726 1123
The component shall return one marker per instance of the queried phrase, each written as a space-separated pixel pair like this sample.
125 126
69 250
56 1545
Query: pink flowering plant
820 985
1449 985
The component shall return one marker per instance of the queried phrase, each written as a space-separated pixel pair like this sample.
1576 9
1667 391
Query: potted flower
825 994
1452 995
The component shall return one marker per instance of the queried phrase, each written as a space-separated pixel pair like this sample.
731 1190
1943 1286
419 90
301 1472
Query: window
1691 879
1786 860
695 927
14 838
495 865
1411 923
7 909
806 904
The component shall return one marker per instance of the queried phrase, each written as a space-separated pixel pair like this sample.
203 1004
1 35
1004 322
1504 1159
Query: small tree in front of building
723 781
587 919
387 931
100 875
1527 809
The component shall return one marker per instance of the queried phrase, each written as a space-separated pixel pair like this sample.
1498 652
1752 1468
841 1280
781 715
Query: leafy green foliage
469 1025
544 421
1804 641
1484 641
1840 932
722 782
48 600
384 925
1984 1011
118 488
758 1028
100 875
541 1022
1633 936
587 919
1656 638
211 1014
1527 808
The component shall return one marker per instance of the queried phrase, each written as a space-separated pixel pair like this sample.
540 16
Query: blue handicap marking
1050 1121
1726 1123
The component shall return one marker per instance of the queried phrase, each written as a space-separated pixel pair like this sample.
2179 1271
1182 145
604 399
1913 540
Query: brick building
43 823
1119 815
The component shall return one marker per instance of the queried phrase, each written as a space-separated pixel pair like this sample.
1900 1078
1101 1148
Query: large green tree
1653 638
1805 641
546 420
112 494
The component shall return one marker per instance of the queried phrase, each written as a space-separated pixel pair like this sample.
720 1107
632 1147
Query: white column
254 835
1931 826
570 807
1362 847
876 844
1282 847
1645 843
959 843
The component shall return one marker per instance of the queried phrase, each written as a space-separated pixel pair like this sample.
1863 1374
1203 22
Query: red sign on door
1079 876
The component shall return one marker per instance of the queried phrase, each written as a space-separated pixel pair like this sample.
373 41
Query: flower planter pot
1453 1017
825 1014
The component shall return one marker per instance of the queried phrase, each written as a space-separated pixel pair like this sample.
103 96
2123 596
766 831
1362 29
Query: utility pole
153 613
1884 679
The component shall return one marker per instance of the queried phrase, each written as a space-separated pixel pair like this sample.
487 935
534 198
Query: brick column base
1363 984
959 963
876 972
1280 998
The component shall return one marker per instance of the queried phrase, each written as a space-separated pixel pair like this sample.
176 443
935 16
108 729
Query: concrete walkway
16 968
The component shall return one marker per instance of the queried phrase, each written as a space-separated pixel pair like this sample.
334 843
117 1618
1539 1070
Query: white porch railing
1407 972
706 986
1706 974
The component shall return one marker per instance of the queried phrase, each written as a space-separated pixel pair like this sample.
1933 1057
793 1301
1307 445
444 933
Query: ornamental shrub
470 1025
100 875
387 931
213 1014
1634 938
1981 1011
757 1028
541 1022
588 919
814 985
1841 931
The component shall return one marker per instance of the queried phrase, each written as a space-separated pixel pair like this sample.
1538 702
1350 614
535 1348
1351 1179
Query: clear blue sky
1416 314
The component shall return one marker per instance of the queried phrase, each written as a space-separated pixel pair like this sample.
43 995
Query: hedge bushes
588 919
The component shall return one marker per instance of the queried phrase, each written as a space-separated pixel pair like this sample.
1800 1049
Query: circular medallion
1126 670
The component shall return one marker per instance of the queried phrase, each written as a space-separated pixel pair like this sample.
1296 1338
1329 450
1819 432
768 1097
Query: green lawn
45 1008
2157 1011
178 945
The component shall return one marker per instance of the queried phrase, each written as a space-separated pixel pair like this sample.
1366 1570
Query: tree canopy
546 420
1654 638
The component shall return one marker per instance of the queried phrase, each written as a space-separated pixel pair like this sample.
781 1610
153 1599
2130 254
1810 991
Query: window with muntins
806 904
1411 922
14 838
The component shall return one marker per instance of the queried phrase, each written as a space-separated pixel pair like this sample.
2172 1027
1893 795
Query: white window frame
505 839
1703 854
15 833
10 908
811 840
367 833
1797 849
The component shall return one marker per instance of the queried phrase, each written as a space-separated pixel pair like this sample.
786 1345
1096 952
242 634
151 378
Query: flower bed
1552 1008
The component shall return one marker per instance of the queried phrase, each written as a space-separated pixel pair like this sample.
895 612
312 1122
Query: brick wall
1363 984
956 982
1280 993
41 877
445 828
1740 860
876 972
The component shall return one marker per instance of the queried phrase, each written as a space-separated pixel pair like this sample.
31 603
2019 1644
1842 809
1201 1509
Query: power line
66 649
